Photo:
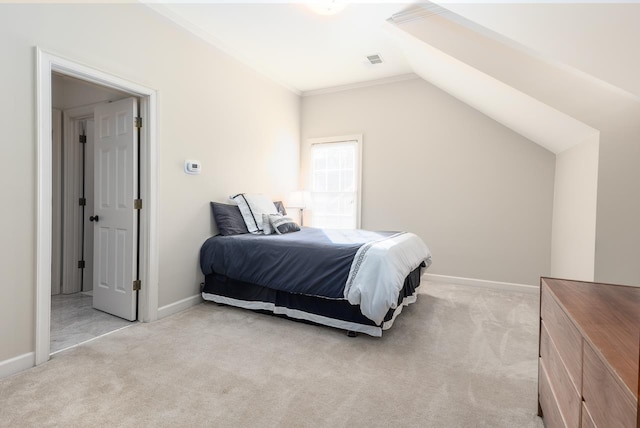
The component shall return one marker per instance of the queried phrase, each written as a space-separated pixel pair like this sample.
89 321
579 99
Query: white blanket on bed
378 272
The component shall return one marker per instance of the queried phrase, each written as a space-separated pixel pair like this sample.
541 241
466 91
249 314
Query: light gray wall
477 193
243 128
618 212
614 113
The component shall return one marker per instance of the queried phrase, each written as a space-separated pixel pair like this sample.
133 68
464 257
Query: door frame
72 241
57 203
46 63
72 219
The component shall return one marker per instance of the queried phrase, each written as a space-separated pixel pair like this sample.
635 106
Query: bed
354 280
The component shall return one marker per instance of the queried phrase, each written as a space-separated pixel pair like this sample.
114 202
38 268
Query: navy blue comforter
314 262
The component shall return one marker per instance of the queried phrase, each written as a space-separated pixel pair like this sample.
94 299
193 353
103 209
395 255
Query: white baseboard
445 279
17 364
178 306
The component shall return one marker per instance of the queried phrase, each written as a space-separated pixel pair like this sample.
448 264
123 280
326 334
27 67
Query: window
335 182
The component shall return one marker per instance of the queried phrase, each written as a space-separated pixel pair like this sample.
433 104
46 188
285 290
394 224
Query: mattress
313 261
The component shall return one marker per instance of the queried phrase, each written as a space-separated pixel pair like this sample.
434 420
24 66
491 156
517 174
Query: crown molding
418 11
365 84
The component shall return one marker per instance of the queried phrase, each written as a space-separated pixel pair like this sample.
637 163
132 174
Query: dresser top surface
609 317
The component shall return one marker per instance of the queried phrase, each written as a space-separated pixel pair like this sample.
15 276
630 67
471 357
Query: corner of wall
573 230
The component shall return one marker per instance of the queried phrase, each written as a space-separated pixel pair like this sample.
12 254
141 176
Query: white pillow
252 206
266 223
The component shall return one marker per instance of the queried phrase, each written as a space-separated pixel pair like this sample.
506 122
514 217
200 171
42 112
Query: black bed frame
317 310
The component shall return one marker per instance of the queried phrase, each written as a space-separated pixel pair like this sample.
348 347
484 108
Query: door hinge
137 121
80 264
137 204
136 285
83 139
82 202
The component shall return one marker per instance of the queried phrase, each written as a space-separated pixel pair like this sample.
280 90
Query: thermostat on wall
192 167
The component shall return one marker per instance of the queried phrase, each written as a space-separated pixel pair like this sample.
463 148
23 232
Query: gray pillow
280 207
228 219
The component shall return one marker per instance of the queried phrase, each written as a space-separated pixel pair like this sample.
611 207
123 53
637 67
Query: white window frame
341 139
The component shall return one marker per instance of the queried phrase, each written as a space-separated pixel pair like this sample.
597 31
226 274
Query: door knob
94 218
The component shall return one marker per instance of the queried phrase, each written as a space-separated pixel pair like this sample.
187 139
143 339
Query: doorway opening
74 317
124 221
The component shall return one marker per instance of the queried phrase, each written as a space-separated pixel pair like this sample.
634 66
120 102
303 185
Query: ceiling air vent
375 59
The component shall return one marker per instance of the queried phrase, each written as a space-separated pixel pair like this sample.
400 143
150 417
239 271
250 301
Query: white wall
477 193
573 239
243 128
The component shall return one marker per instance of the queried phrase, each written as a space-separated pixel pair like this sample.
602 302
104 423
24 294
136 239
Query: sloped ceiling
598 38
493 77
530 70
531 118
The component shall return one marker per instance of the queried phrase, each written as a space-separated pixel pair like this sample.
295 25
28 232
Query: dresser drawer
550 411
569 401
609 404
564 334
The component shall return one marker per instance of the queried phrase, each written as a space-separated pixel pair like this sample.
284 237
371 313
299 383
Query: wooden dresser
589 351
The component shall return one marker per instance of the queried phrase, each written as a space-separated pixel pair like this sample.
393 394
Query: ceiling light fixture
327 7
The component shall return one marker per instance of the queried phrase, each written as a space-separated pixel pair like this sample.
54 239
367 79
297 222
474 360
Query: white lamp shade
299 199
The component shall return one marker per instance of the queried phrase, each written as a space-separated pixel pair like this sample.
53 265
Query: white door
115 225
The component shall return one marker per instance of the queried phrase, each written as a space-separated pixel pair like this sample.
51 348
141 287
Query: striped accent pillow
282 224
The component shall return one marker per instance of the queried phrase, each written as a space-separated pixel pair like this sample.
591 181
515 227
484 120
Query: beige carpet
460 357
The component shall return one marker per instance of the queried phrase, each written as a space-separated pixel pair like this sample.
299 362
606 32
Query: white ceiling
296 47
304 51
307 52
